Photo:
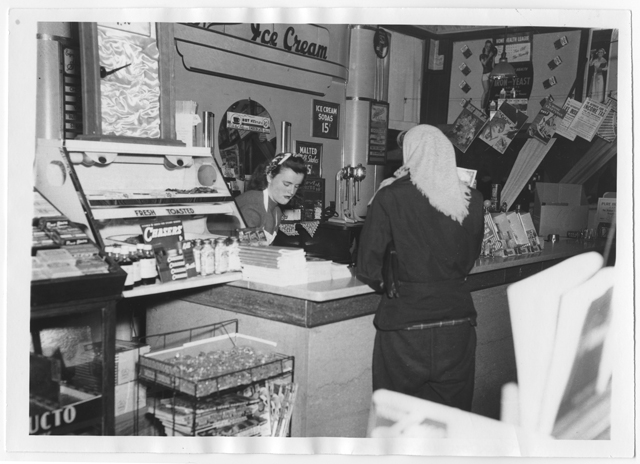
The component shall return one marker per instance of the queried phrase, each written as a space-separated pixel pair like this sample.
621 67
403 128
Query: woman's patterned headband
279 159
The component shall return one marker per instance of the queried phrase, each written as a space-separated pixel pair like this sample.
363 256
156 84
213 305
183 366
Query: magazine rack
213 381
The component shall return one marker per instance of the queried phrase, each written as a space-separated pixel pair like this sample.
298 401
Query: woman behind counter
272 184
425 339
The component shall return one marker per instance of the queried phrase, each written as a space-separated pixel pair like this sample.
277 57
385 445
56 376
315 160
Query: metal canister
221 254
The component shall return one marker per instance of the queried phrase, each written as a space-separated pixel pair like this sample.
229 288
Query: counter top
350 287
316 291
321 303
562 249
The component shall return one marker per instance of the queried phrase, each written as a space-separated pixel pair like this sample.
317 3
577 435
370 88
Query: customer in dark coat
425 339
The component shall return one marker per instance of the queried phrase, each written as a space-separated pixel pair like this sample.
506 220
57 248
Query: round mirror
246 138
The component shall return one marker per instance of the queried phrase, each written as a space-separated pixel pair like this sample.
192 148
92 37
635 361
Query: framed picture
127 62
597 72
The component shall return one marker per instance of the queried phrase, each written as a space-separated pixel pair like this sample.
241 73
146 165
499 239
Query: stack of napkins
340 271
274 265
318 269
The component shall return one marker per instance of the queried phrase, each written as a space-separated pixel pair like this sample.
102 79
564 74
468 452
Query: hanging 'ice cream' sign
303 39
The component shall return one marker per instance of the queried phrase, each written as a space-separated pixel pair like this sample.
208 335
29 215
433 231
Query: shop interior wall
217 94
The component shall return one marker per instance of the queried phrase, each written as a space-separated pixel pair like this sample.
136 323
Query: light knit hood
429 158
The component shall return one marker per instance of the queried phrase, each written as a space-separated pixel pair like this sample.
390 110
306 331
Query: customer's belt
435 325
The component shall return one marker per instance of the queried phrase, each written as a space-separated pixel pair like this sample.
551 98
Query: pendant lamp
503 70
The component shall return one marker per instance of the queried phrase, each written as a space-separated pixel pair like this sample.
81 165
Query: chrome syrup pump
348 192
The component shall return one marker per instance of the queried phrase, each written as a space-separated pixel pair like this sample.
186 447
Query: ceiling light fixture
503 70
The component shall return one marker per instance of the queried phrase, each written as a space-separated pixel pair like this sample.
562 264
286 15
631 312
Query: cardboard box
127 354
130 396
559 208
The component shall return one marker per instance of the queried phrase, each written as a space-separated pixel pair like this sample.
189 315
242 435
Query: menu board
312 154
325 119
378 125
312 192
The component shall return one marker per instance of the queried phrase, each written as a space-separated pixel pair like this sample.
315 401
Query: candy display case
70 387
218 382
113 189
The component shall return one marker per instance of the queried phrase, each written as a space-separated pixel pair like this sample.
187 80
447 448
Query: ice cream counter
328 328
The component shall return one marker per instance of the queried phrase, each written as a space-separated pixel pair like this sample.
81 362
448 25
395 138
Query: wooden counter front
328 328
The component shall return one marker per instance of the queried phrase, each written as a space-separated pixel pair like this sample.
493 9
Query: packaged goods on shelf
225 385
39 270
251 427
207 413
168 193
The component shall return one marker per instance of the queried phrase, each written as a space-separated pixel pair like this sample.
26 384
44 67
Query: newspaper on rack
563 126
589 118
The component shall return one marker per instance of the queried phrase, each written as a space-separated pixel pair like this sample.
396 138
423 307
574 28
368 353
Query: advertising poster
378 125
467 126
522 83
589 118
230 161
563 126
500 131
543 125
312 154
248 122
518 47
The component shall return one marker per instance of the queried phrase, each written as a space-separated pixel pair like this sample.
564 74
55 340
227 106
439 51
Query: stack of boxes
130 396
